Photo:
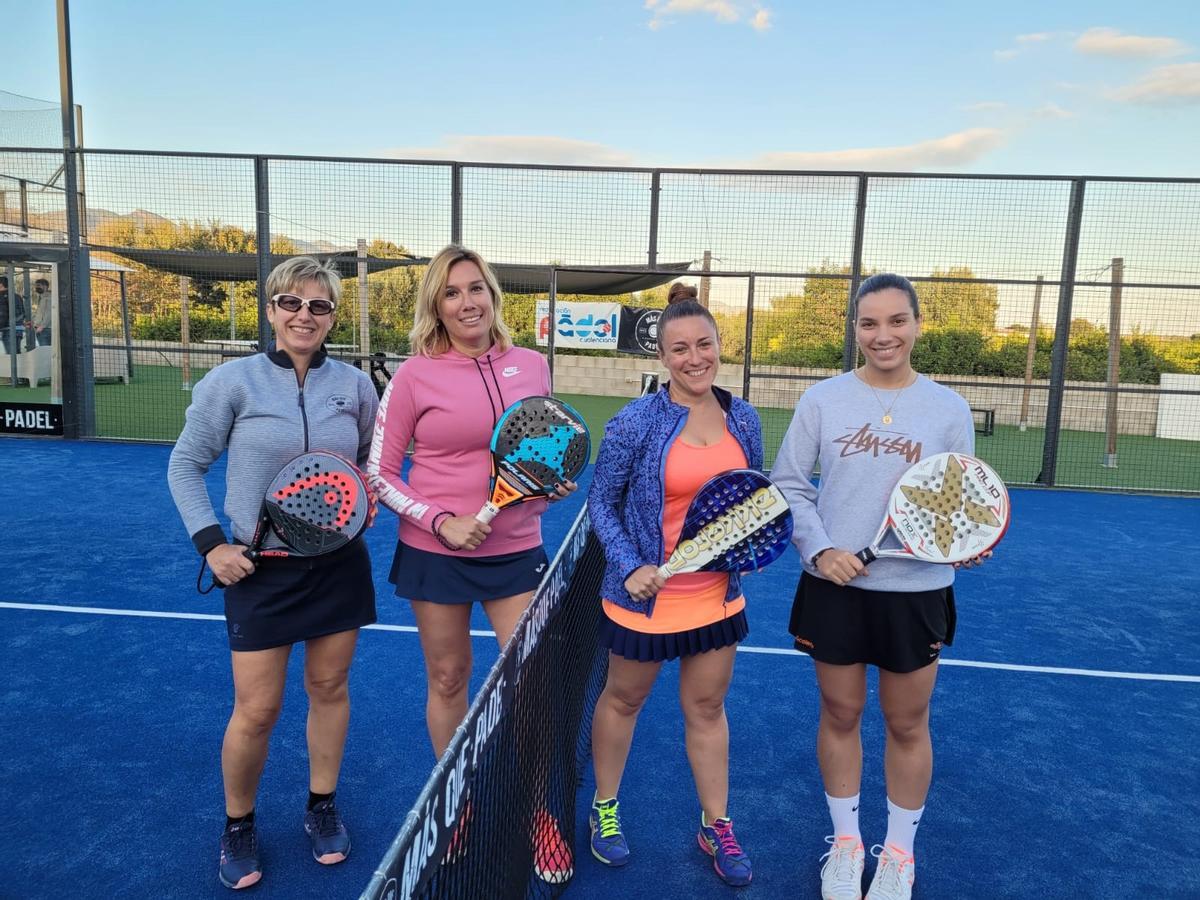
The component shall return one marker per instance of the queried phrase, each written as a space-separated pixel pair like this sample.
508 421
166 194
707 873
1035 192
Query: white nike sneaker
841 876
894 876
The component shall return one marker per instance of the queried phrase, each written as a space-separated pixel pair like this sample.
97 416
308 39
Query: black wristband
817 556
434 528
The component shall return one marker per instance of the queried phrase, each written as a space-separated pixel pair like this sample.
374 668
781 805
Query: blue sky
1089 88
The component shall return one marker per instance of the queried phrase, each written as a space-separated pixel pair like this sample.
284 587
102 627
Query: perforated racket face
541 442
318 503
950 507
737 521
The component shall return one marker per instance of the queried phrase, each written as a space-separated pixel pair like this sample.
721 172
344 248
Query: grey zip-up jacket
254 408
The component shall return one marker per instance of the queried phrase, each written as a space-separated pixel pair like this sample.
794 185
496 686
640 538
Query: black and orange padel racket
318 503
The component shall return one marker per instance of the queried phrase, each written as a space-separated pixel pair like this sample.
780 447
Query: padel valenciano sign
31 418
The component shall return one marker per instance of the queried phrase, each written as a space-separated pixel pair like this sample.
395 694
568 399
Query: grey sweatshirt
255 408
838 423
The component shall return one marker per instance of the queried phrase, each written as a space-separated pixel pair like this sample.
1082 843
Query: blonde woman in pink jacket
445 400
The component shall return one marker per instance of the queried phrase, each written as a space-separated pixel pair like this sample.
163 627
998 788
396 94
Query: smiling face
691 351
300 333
886 329
465 308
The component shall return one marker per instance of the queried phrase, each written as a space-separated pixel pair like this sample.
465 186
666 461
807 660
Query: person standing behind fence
9 334
264 410
39 327
446 400
865 428
657 452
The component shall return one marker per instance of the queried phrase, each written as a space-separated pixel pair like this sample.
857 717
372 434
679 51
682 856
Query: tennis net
497 815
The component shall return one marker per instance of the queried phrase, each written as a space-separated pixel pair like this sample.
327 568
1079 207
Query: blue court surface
1066 716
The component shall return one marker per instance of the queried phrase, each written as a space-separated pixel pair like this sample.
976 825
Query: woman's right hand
463 532
840 566
229 563
644 582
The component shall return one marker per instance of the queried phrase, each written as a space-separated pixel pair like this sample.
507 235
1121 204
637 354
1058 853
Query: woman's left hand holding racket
229 563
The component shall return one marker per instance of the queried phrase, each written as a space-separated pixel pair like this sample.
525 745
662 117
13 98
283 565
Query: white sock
844 812
902 826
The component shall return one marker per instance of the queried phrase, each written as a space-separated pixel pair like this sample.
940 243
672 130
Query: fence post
553 298
1062 336
652 250
456 203
746 360
1031 353
849 351
74 314
262 206
1114 363
364 300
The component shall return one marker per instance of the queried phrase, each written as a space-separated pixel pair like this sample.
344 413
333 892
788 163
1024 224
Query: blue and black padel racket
538 443
737 521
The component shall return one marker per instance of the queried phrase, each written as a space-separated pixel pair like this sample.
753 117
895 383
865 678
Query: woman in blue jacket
656 454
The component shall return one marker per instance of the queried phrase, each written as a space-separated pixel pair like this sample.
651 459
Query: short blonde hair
290 274
428 336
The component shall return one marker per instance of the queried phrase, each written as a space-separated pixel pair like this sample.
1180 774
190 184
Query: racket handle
866 557
664 572
489 512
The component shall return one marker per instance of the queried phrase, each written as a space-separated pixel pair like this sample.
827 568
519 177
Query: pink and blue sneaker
729 860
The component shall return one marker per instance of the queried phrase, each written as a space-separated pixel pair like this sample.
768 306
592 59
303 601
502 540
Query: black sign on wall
31 418
639 330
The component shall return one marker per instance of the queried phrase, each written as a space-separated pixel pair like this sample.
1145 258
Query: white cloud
1110 42
519 149
1052 111
1036 38
724 11
1005 55
1165 85
986 106
945 152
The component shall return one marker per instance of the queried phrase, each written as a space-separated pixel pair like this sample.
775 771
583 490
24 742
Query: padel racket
538 443
947 508
737 521
318 503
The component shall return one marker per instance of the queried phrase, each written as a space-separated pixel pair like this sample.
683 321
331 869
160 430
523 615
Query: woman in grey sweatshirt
263 410
865 428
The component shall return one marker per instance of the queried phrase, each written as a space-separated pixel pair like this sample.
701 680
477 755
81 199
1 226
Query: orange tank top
693 599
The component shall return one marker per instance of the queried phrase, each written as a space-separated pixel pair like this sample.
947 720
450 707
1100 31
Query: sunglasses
318 306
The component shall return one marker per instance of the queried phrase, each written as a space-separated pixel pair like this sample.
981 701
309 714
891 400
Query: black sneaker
330 840
239 857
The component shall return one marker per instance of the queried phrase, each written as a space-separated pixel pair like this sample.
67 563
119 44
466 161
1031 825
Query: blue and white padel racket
737 521
538 443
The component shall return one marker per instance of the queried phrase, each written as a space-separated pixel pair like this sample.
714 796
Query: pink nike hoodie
447 406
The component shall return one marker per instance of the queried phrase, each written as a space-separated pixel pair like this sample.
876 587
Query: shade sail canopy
513 278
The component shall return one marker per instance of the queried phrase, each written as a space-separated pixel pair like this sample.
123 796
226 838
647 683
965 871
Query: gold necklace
887 410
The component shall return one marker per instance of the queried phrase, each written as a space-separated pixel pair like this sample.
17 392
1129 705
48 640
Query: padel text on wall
31 418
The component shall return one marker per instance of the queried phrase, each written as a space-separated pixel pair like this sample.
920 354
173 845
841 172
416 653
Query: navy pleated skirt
643 647
446 578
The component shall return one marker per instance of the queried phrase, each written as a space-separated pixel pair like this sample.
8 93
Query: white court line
772 651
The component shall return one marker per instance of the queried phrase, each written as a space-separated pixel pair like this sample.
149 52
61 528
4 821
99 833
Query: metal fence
1066 310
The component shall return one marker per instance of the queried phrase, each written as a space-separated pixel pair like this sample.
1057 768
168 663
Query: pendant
887 420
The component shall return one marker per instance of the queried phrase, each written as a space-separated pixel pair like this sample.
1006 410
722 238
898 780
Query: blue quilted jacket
626 497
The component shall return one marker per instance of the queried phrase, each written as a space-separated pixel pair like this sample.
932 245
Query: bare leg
258 679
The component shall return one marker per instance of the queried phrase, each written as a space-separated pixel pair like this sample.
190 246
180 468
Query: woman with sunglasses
265 409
